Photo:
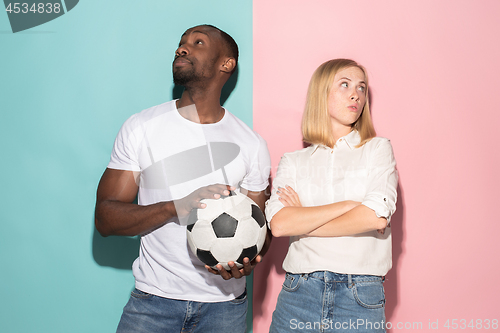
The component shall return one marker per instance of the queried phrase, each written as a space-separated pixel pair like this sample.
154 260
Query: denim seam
369 306
292 279
142 295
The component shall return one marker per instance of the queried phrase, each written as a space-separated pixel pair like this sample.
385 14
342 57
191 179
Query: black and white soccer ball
227 229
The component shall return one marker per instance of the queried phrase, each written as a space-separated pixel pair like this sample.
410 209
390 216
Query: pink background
434 83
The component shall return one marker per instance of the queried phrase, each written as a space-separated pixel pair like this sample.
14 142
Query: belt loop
349 281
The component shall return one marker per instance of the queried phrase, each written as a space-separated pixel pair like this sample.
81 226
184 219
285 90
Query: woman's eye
344 84
362 88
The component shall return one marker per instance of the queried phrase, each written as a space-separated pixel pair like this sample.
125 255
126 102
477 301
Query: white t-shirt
322 175
176 156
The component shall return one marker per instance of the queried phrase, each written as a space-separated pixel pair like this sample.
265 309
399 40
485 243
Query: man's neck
201 106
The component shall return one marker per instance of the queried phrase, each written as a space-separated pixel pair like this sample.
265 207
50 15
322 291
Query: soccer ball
227 229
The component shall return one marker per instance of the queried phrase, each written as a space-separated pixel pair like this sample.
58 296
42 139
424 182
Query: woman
335 199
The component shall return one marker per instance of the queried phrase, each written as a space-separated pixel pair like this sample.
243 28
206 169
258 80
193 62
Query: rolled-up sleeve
381 194
285 175
124 155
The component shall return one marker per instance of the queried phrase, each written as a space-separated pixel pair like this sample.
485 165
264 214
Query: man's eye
199 42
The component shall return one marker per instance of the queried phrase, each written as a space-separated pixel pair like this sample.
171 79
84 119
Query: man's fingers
247 267
230 188
215 191
211 270
257 259
235 271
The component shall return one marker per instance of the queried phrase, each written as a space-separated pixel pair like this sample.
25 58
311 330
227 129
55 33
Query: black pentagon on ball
249 252
193 217
224 226
206 257
258 215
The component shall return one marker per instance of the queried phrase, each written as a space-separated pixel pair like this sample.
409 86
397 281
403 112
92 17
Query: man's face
196 57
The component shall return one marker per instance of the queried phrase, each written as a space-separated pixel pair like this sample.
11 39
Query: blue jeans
149 313
330 302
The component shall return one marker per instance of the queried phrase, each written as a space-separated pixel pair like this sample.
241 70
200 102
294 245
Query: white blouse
322 175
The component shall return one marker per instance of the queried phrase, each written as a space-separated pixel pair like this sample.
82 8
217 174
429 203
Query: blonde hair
316 123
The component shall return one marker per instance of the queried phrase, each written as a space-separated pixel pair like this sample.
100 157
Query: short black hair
229 41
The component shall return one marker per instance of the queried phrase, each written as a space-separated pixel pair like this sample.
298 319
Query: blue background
66 87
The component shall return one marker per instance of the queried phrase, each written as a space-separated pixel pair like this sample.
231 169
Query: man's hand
184 206
235 272
117 214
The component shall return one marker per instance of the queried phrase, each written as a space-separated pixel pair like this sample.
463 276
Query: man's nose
182 50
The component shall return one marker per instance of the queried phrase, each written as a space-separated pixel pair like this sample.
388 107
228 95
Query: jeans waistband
328 276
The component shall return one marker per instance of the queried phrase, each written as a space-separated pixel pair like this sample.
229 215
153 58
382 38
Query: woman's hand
288 197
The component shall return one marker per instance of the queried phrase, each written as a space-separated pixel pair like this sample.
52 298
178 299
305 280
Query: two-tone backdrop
67 85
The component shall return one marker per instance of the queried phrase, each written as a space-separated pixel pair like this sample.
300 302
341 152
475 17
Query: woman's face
347 98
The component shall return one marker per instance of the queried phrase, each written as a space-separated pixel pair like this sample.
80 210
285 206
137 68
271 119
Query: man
157 156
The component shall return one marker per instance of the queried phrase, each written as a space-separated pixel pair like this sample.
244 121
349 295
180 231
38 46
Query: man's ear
228 65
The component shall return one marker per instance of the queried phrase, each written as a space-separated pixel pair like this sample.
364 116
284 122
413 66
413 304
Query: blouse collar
352 140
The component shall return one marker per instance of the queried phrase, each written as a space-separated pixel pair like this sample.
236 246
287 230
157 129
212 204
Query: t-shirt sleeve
124 155
285 175
257 178
381 194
